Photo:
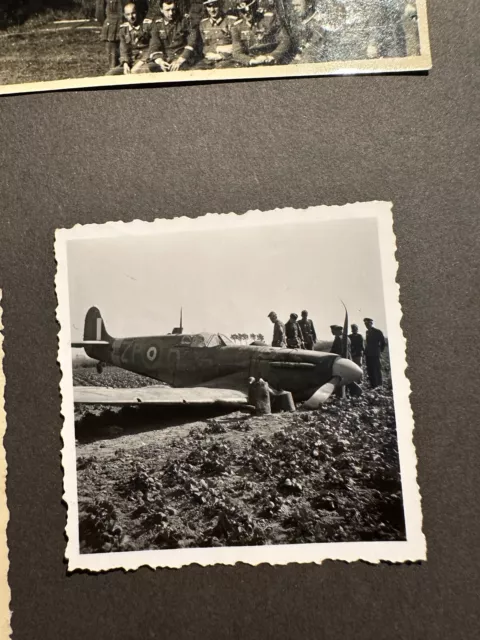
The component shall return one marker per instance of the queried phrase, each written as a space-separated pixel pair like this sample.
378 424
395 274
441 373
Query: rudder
94 328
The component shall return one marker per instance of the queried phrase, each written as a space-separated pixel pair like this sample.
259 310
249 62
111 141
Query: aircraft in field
208 368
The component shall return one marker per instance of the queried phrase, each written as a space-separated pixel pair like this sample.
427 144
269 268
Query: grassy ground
41 50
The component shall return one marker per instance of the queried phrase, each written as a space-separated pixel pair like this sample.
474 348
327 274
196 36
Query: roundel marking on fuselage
152 353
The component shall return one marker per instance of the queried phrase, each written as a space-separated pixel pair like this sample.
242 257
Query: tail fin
96 340
94 328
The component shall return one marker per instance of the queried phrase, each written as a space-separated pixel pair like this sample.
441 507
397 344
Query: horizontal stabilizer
158 395
90 343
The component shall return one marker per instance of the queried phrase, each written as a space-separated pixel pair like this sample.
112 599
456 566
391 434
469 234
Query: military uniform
278 334
356 340
337 347
134 45
110 15
190 9
263 34
308 332
294 335
374 347
172 40
216 38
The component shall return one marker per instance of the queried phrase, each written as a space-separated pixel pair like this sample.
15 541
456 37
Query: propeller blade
322 394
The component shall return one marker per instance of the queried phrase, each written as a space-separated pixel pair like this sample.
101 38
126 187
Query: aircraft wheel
99 367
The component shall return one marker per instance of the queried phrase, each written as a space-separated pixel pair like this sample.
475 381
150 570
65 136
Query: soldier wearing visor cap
259 37
215 36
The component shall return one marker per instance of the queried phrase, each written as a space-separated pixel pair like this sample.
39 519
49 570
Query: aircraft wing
158 395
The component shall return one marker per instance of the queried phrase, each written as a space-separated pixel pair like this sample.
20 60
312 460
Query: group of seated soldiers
169 35
230 35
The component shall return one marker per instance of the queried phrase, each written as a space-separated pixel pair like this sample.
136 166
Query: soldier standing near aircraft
135 36
308 331
259 37
356 340
294 333
278 331
337 346
173 41
215 36
374 347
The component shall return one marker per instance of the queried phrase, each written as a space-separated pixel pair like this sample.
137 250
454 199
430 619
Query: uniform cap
294 315
365 319
354 326
272 313
211 1
304 312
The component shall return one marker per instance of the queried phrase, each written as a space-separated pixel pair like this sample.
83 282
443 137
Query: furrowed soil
161 479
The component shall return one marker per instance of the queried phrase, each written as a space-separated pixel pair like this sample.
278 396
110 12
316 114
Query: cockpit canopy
205 340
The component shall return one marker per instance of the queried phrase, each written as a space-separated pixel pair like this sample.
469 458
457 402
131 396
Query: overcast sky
228 280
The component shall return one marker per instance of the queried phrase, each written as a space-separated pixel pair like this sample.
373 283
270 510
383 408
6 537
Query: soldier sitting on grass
258 37
174 40
215 36
135 36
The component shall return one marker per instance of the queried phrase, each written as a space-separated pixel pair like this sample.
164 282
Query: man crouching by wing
173 42
135 35
258 37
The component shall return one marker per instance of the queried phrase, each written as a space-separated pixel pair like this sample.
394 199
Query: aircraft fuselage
187 361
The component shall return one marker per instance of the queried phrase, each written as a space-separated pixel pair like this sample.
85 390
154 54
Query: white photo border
413 549
422 62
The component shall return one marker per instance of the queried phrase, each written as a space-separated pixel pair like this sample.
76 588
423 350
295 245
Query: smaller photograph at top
60 44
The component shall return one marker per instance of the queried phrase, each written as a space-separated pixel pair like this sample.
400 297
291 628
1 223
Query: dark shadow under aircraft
208 368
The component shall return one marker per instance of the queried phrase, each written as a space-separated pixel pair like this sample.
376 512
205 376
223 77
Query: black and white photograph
234 390
58 44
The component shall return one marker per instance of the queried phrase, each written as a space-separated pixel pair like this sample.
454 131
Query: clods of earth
164 480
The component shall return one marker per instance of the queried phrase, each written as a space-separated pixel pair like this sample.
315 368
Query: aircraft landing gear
99 367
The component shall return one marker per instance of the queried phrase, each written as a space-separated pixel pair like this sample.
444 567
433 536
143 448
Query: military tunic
110 14
294 335
356 340
308 332
172 40
279 334
374 346
216 35
264 34
135 42
337 347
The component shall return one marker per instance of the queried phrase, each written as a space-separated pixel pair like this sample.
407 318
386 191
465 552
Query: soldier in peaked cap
278 330
259 37
215 36
308 331
374 346
135 35
294 333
